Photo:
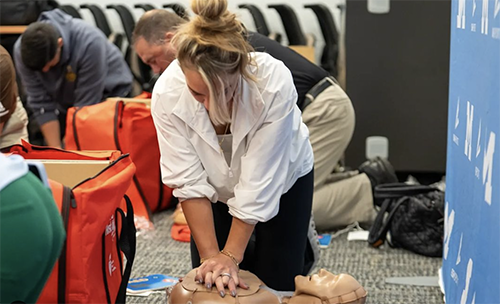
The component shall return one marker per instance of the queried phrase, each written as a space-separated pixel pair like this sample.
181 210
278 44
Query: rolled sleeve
181 167
265 165
43 116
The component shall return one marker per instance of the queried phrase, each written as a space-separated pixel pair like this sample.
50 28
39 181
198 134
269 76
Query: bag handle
396 190
127 243
378 231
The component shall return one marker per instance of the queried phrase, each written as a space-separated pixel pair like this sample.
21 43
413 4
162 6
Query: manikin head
326 285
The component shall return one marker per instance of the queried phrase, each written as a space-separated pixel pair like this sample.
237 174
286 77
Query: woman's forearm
199 216
238 238
51 131
198 212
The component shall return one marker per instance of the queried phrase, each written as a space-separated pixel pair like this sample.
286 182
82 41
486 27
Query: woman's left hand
221 271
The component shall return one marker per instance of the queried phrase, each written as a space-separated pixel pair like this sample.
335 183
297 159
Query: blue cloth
11 168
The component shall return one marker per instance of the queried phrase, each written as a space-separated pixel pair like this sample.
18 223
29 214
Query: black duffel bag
23 12
412 215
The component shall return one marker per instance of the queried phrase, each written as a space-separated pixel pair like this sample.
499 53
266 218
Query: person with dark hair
41 47
65 62
339 198
13 117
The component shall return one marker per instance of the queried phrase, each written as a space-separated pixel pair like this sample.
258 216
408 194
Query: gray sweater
100 69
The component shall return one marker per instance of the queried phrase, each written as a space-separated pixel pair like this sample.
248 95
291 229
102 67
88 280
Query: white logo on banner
449 221
484 18
454 275
459 254
468 130
489 151
495 31
488 167
461 14
478 147
467 283
457 121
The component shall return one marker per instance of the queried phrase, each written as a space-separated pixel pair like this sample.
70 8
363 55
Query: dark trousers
276 252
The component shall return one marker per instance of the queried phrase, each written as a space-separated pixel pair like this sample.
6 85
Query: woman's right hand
221 271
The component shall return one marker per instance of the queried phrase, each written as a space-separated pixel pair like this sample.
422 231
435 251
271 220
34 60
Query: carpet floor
157 252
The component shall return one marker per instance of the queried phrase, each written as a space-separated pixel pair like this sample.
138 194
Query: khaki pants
339 199
15 128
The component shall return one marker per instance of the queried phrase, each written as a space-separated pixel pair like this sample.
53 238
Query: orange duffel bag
125 125
91 267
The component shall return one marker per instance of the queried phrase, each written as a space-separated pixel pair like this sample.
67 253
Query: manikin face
320 285
56 59
157 56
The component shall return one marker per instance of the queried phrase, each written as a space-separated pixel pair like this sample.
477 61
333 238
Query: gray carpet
157 252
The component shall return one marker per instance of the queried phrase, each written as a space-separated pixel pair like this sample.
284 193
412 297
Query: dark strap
396 190
317 89
127 242
378 230
67 198
75 130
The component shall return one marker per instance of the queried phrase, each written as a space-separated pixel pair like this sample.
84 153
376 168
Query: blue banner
471 257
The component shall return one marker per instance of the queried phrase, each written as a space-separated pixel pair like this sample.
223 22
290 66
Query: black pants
276 251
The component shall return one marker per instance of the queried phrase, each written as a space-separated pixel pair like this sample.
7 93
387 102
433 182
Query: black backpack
23 12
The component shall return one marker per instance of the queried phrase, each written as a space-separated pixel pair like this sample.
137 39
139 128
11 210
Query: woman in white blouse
235 151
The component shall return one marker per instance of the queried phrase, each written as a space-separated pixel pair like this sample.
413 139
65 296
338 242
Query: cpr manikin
321 288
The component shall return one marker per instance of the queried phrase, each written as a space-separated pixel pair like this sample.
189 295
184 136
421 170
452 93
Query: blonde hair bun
209 9
214 43
212 17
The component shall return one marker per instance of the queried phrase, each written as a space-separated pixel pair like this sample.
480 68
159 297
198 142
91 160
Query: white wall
306 17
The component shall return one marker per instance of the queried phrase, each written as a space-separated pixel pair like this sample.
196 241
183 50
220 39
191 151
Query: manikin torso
320 288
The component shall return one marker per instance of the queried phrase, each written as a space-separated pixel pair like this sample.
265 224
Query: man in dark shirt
65 62
326 110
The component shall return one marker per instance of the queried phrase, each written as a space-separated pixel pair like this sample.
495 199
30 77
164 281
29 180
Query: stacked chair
291 24
102 23
71 10
143 72
145 6
330 52
260 22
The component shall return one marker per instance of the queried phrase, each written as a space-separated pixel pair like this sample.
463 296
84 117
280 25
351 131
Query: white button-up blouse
270 148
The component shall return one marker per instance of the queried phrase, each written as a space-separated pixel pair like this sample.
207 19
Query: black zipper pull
73 200
121 115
